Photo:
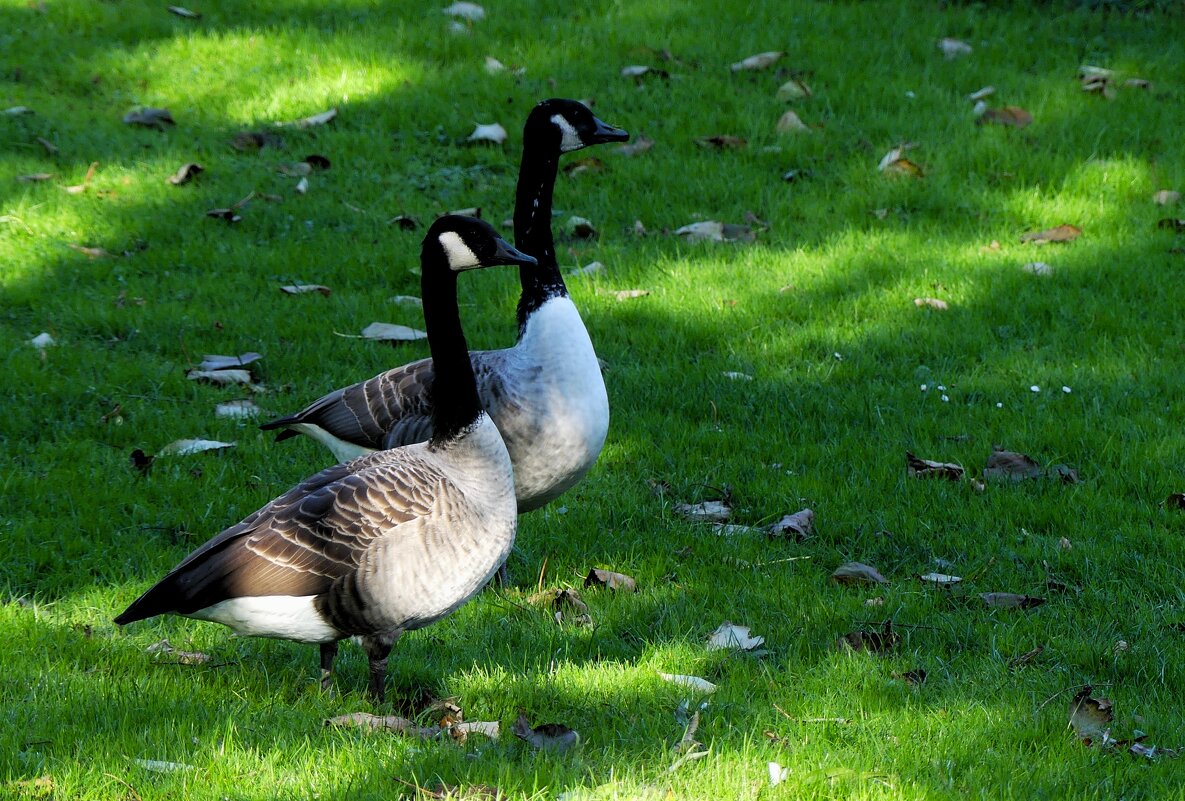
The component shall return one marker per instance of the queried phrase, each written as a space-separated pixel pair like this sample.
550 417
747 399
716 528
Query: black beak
509 254
607 133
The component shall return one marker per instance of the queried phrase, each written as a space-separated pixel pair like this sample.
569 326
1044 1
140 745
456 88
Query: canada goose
388 542
546 393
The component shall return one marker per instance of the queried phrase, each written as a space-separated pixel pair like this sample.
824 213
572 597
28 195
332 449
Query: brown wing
302 541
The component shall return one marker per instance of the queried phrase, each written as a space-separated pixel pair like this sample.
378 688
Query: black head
570 125
468 243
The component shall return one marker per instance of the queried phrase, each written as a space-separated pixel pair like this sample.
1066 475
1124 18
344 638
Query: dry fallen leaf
1171 224
757 62
302 186
311 121
248 141
790 122
1166 197
736 376
876 642
220 376
1013 466
917 676
953 48
924 468
639 70
1010 116
713 231
1010 600
304 289
933 303
148 117
895 163
721 142
89 252
610 580
34 178
238 409
1038 268
16 111
586 164
940 579
1060 233
580 228
227 215
793 89
857 573
777 774
733 638
188 447
570 607
1091 718
636 147
185 174
42 341
1026 658
493 133
161 766
981 94
470 12
86 180
629 294
391 332
219 362
691 682
406 300
392 723
183 12
549 736
706 511
183 657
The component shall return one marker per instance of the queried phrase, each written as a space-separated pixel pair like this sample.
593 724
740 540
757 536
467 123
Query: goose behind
387 542
546 393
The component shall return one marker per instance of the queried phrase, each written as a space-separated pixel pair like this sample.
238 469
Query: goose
387 542
546 393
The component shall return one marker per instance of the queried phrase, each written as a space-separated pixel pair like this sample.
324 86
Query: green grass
819 311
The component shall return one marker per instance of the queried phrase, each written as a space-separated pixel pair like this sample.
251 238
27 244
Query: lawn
792 371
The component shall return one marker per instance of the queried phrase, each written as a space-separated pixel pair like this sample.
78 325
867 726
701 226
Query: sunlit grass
819 311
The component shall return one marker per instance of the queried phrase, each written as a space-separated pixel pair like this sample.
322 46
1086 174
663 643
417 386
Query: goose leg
377 648
328 652
502 577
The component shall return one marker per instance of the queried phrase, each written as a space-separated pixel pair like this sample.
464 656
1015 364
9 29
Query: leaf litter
706 511
546 736
797 526
1059 233
610 580
189 447
690 682
733 638
924 468
857 573
182 657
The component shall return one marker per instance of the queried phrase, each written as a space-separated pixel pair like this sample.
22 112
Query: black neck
455 404
532 227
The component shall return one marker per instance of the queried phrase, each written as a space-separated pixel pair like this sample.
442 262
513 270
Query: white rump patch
460 257
342 450
571 140
287 617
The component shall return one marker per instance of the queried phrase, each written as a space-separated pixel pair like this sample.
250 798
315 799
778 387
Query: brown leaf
1175 501
1011 116
568 605
1060 233
218 362
1026 657
924 468
227 215
610 580
1091 718
141 461
149 117
249 141
185 174
1010 600
797 526
549 736
793 89
636 147
1012 466
86 179
705 512
757 62
857 573
1166 197
304 289
722 142
790 122
932 303
93 253
876 642
587 164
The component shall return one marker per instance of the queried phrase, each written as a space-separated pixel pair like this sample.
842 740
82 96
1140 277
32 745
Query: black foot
377 648
328 652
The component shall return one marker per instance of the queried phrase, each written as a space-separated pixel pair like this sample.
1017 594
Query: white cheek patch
460 257
571 140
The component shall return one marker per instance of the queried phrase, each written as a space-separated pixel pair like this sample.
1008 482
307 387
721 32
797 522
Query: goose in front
546 393
385 543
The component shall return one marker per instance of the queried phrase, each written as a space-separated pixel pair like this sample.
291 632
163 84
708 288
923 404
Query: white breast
553 412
